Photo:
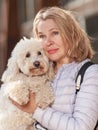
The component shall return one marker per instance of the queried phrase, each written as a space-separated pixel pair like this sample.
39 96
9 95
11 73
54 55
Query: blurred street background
16 18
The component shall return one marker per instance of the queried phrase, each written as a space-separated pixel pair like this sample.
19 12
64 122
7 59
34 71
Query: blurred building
16 18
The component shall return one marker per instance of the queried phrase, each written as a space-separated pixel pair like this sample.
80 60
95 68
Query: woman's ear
11 71
51 73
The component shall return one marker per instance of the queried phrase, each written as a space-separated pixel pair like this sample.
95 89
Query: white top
71 111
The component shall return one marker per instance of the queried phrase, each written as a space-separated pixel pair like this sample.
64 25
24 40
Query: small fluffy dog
28 69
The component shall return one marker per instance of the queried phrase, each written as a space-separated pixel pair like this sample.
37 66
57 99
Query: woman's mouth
52 51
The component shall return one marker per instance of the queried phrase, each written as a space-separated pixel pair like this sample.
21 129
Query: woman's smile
52 51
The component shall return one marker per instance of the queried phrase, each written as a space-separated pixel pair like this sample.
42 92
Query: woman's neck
58 64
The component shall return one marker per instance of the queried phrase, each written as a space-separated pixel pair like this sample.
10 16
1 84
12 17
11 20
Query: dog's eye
28 54
39 53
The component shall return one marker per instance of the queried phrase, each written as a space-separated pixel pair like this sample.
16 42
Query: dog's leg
17 91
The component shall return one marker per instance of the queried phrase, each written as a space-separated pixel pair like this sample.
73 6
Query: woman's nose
48 41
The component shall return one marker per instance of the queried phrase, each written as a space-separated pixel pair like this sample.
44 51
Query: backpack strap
80 75
96 126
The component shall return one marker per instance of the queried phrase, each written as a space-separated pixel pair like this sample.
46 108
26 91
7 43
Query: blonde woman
68 46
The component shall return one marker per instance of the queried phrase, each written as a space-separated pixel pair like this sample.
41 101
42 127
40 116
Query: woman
68 46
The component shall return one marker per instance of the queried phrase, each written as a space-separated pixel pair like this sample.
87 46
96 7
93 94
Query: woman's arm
85 111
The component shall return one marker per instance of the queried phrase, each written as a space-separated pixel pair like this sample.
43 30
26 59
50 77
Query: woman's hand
30 106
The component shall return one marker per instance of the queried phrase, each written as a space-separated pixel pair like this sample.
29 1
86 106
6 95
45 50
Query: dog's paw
45 98
17 91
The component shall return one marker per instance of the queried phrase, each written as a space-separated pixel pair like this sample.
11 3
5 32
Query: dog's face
30 57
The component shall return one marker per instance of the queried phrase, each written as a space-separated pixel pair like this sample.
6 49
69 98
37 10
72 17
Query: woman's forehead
47 24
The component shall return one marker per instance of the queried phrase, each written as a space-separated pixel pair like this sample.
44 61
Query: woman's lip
52 51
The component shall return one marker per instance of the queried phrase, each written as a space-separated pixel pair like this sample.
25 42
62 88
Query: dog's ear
11 71
51 73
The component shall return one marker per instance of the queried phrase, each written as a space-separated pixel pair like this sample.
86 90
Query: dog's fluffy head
28 58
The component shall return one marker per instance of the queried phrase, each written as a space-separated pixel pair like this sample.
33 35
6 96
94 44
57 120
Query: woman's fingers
29 107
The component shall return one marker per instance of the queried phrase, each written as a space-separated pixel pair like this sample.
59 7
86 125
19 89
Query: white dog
28 69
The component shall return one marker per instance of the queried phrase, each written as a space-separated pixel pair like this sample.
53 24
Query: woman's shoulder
91 75
72 69
91 66
91 69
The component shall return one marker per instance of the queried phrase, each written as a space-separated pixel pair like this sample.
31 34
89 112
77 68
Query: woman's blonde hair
77 39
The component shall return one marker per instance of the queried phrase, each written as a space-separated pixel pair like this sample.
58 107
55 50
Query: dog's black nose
36 64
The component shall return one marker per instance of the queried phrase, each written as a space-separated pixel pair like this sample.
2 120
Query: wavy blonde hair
77 39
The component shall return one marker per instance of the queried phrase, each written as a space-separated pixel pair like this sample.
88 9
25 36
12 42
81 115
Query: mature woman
68 46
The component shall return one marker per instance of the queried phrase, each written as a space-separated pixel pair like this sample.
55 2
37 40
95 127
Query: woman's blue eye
55 32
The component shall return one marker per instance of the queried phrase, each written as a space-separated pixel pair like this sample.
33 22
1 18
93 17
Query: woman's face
52 42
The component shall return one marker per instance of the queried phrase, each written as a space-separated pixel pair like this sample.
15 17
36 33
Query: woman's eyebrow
53 29
49 30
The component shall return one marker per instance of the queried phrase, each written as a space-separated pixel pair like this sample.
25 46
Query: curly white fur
28 69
